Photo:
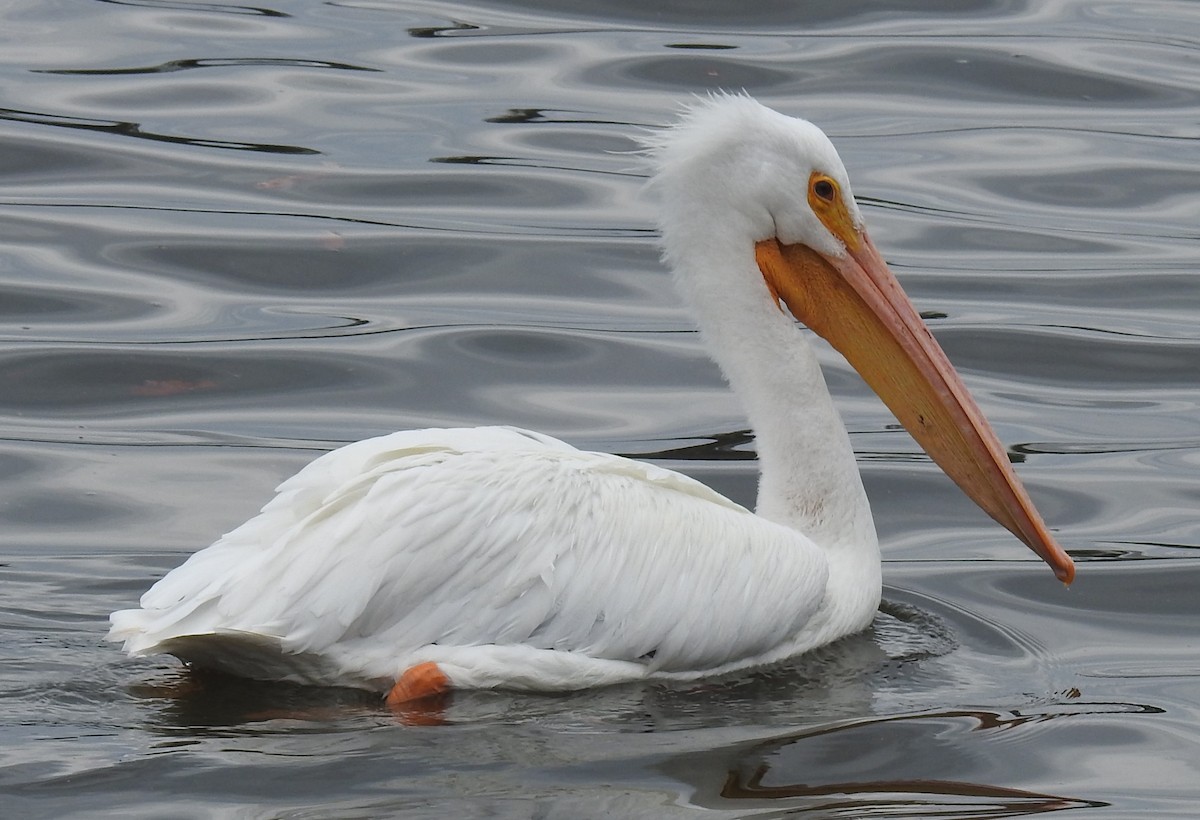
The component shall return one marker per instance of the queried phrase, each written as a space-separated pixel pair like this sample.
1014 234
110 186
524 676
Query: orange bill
855 303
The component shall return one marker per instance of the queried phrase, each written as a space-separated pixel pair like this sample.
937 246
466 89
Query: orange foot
421 682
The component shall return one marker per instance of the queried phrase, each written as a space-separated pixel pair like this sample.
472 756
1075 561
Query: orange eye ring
825 199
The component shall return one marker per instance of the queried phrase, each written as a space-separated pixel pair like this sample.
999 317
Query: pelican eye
828 205
824 189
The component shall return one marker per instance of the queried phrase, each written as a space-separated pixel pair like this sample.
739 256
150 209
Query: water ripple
133 129
233 237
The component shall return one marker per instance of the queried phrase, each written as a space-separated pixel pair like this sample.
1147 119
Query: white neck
732 173
809 480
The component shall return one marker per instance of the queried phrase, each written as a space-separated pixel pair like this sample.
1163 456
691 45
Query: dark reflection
736 445
878 763
476 160
1096 448
518 162
442 31
193 701
700 46
1163 544
224 62
523 116
775 14
935 796
176 5
133 129
1090 555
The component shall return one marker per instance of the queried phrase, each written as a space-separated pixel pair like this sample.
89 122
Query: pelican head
759 221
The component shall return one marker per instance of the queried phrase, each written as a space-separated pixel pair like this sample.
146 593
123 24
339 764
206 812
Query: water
232 237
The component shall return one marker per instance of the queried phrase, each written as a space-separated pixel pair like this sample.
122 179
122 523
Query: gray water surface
233 237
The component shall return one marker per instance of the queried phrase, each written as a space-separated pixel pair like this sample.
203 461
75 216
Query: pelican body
429 560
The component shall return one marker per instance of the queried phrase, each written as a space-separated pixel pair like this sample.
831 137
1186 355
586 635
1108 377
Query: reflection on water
234 236
909 764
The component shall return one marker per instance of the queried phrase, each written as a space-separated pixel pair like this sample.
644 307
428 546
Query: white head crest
733 160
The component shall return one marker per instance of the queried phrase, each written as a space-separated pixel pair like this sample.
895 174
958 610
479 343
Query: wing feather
427 541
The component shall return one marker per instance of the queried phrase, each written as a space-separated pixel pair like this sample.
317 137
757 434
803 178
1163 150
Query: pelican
426 561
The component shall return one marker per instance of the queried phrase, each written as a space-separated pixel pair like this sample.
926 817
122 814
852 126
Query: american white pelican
430 560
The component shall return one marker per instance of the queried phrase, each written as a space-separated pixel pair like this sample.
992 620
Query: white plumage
425 545
511 559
